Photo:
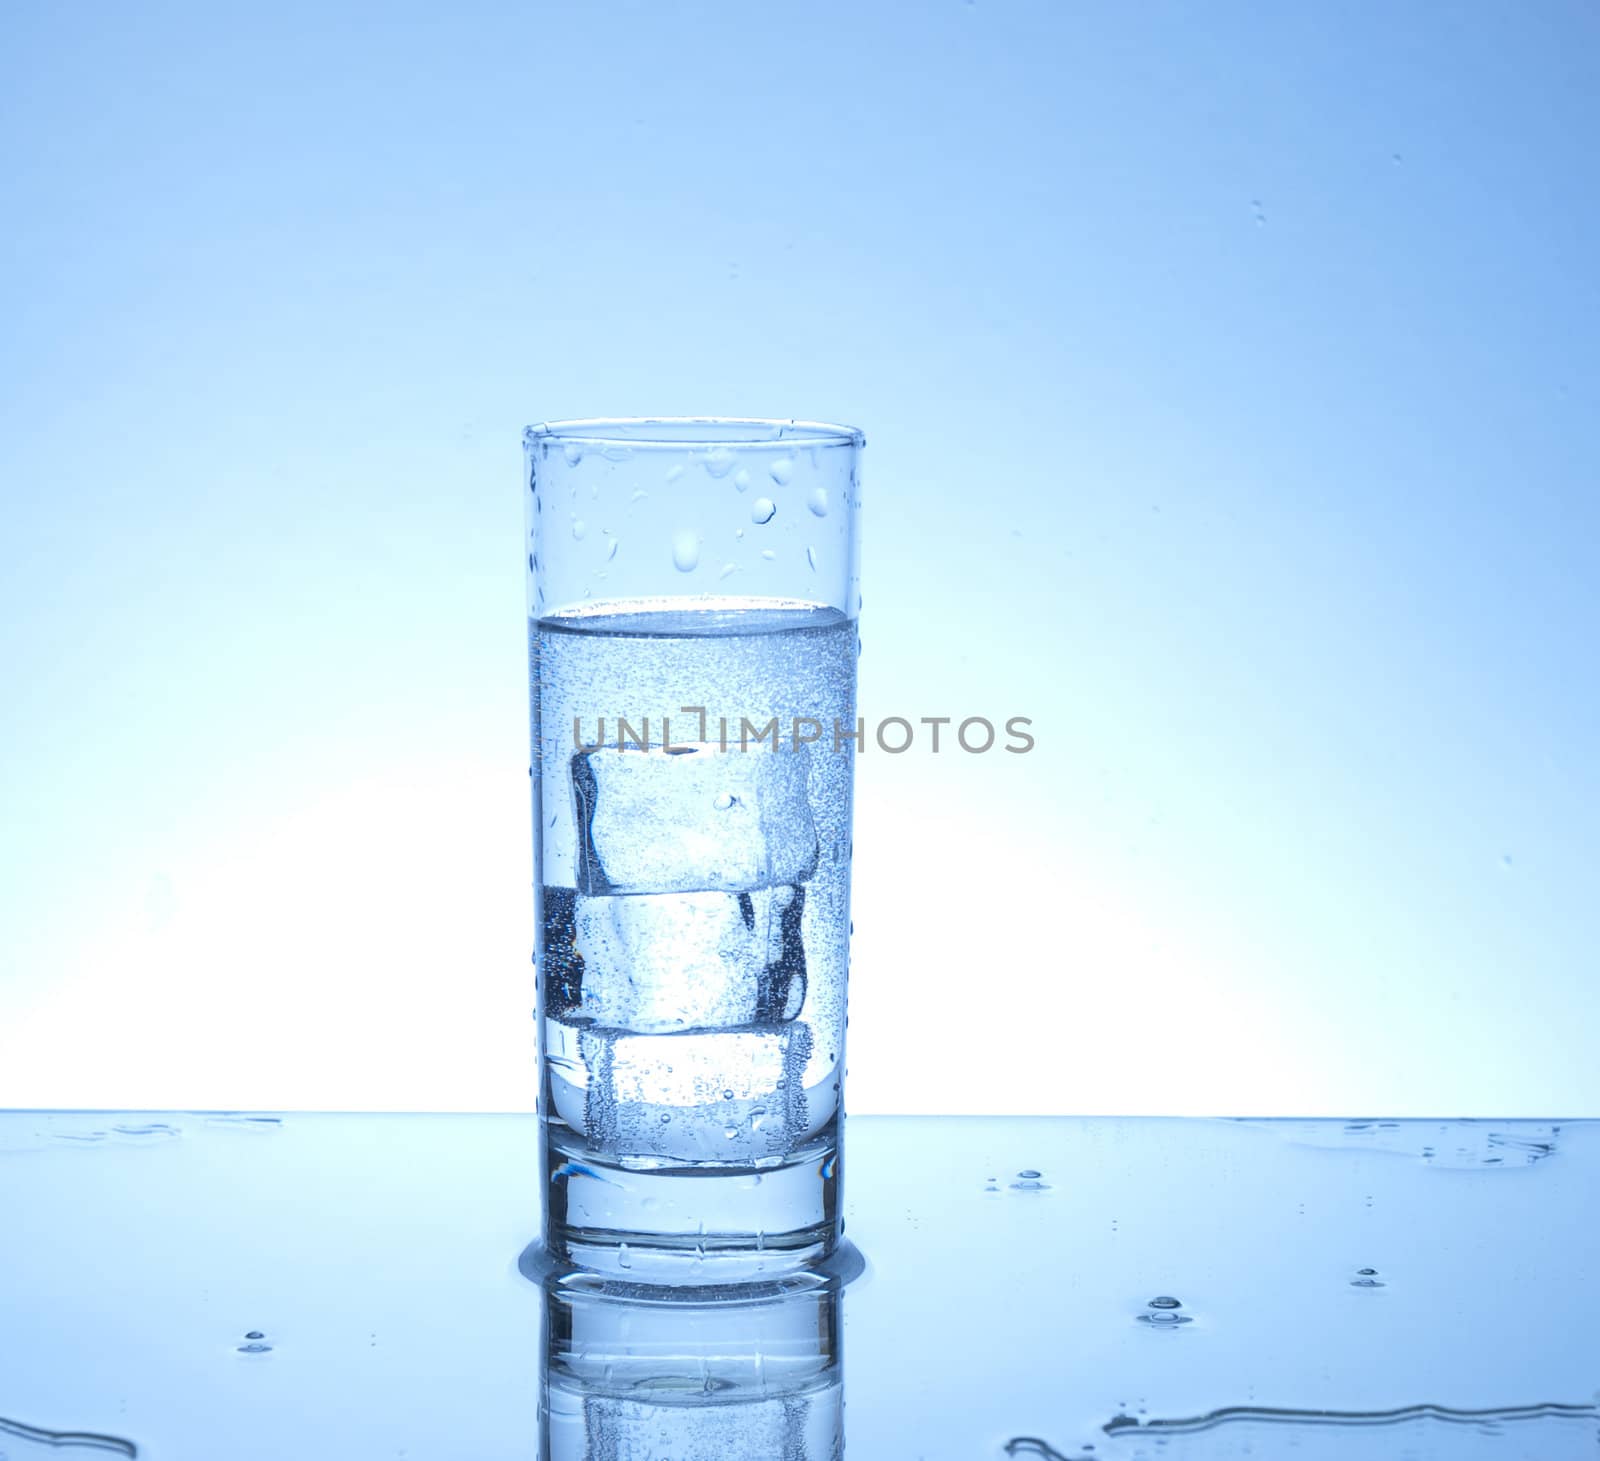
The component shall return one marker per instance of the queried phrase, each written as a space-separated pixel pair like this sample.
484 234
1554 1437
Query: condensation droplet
811 558
817 501
685 551
572 452
741 479
727 569
674 472
781 470
718 461
579 528
768 554
611 552
762 510
624 1257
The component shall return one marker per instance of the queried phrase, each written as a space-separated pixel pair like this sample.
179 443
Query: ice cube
657 962
692 818
719 1095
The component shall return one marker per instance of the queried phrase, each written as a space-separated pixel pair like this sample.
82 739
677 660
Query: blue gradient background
1230 385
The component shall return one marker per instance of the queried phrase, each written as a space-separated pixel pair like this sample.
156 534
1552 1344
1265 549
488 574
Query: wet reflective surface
199 1286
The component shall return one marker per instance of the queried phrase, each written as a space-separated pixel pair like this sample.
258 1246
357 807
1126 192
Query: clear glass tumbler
693 594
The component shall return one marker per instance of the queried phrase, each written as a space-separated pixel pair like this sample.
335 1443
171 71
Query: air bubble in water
728 568
718 461
685 551
762 510
727 1095
722 802
817 501
781 470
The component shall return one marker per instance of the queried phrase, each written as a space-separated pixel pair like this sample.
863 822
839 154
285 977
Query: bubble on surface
781 470
762 510
685 551
817 501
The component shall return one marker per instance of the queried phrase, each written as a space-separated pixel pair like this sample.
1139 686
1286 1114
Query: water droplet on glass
1163 1318
255 1334
768 553
579 528
741 479
1366 1278
718 461
685 551
572 452
673 473
1028 1181
616 452
1165 1301
722 802
611 552
728 568
624 1258
762 510
811 558
730 1132
817 501
665 1117
255 1343
781 470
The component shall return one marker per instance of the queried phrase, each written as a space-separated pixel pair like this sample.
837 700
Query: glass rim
689 432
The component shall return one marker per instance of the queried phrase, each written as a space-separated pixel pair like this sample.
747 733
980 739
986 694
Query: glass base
636 1220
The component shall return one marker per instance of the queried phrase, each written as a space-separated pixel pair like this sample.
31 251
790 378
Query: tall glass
693 591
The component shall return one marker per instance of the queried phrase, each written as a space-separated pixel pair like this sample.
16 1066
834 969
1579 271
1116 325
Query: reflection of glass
756 1377
692 668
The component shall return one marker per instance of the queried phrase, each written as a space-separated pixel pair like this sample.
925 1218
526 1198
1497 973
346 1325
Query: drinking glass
693 593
